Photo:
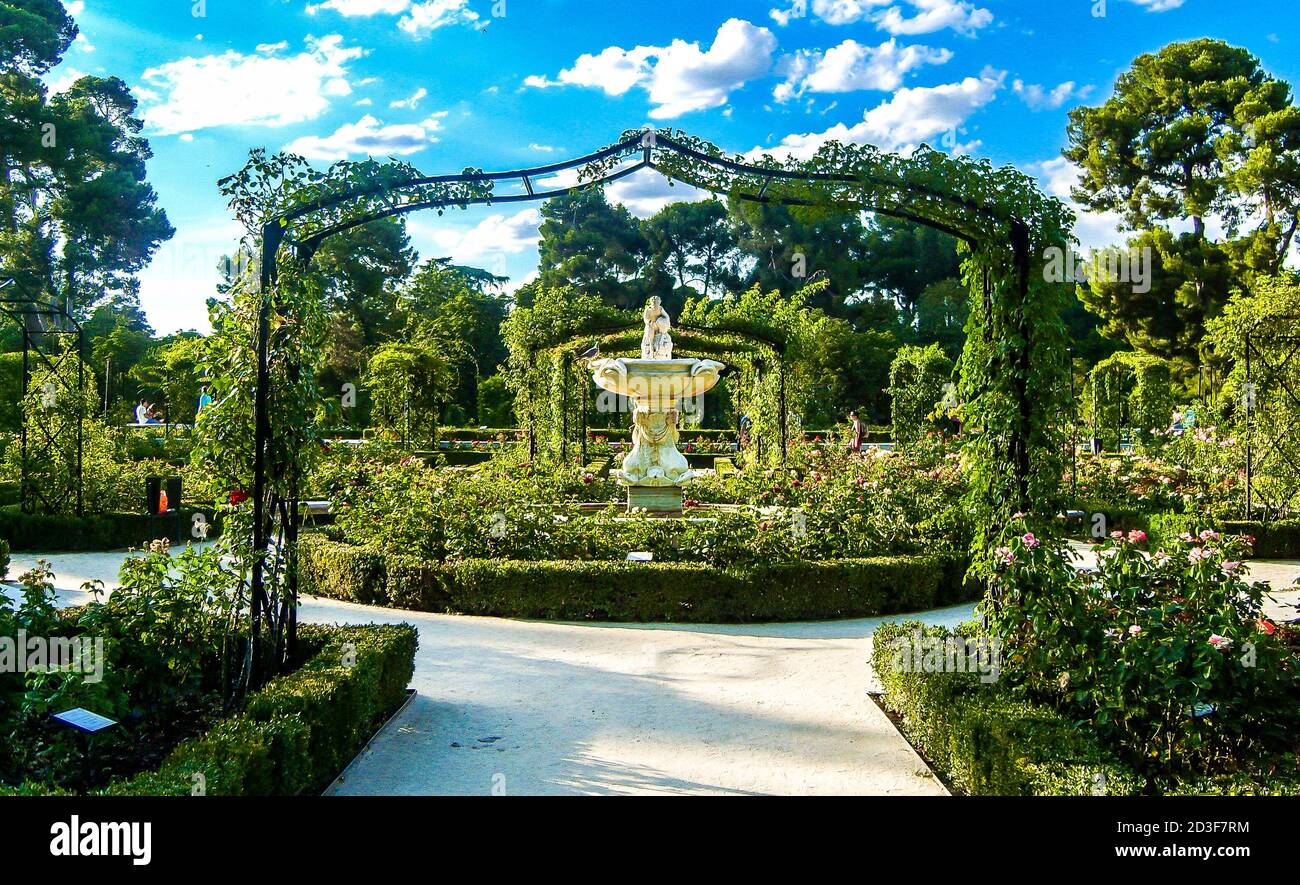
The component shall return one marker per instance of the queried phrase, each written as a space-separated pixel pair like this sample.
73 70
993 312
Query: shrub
1169 656
981 738
301 729
106 531
4 559
623 591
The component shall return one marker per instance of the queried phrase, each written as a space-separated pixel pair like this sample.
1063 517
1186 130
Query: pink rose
1137 536
1222 643
1030 541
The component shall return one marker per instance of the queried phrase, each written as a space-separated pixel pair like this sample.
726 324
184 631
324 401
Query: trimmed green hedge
988 743
297 733
4 559
633 591
1279 539
985 742
105 531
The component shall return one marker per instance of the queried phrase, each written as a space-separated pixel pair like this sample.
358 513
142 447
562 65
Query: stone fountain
654 471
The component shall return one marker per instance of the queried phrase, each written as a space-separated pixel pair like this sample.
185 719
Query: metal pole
782 417
1246 403
81 417
272 234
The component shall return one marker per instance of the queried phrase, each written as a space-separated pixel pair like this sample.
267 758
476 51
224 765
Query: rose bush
1167 656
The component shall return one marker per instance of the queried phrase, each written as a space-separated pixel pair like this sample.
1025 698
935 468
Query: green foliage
1191 279
296 734
917 379
840 507
1193 129
170 372
1169 657
4 559
623 591
408 381
1134 391
983 739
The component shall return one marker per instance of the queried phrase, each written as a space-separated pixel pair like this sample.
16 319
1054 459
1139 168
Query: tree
596 248
444 303
903 259
1190 282
693 243
366 267
77 217
1195 130
170 371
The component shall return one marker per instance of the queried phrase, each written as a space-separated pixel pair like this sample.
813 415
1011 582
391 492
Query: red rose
237 497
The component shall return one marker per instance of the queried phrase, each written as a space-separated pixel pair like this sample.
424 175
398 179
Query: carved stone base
655 499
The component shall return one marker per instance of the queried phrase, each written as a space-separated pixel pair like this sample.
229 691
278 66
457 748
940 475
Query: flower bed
623 591
987 741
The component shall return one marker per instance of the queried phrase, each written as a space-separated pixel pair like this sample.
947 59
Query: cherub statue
656 343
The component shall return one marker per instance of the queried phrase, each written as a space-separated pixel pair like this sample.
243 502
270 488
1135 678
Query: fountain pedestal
654 471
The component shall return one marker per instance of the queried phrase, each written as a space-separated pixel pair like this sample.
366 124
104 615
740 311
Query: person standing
857 433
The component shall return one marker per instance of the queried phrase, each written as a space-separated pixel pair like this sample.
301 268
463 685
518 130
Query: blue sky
505 83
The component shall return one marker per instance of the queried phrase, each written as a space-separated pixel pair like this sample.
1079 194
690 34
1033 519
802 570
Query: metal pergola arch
692 334
275 233
44 324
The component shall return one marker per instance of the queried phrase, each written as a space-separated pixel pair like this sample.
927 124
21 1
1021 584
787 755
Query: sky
502 84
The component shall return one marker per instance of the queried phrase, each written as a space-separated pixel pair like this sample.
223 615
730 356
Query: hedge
4 559
633 591
104 531
983 741
1278 539
297 733
986 742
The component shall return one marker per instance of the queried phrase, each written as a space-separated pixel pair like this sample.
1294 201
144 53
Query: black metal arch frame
605 333
275 233
51 337
1269 354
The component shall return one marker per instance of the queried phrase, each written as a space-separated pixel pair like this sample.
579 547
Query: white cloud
360 7
232 89
427 17
644 192
543 148
369 137
680 77
934 15
904 121
269 48
410 103
851 66
1039 98
496 235
833 12
1159 5
75 7
64 79
927 16
1095 230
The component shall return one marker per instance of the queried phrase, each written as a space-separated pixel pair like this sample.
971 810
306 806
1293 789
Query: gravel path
526 707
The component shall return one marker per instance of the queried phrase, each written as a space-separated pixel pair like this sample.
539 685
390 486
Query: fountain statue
654 470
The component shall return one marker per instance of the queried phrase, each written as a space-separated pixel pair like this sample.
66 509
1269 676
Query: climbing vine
1013 369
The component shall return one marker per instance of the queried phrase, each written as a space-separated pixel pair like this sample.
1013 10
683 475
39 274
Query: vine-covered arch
1012 378
546 366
